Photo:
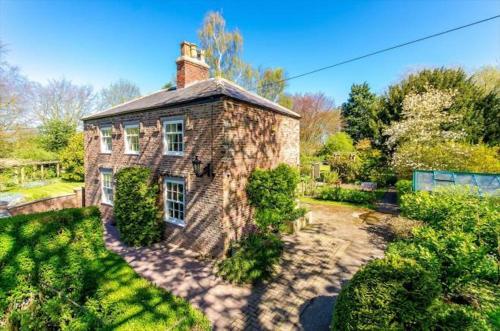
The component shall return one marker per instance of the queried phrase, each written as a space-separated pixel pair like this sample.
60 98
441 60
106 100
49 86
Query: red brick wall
189 72
38 206
236 136
255 138
203 230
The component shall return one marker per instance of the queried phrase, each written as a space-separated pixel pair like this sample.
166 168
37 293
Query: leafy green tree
466 103
360 113
338 142
56 133
72 159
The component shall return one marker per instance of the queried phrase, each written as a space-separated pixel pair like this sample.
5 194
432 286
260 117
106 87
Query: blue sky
97 42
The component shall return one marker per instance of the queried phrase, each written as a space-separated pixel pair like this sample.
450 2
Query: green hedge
273 193
135 207
346 195
443 277
403 186
56 274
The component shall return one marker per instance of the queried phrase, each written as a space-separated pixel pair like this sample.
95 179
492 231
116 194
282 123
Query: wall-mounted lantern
197 167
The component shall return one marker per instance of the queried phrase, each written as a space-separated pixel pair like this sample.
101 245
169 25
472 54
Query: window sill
131 153
173 154
105 153
109 204
177 222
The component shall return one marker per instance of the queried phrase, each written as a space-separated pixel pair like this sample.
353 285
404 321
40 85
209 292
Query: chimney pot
191 66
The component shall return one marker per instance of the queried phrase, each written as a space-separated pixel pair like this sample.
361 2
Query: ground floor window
174 195
107 186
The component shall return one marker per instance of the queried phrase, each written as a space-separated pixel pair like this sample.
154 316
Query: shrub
273 193
390 294
346 195
338 142
136 212
72 159
457 249
456 210
346 165
403 186
252 259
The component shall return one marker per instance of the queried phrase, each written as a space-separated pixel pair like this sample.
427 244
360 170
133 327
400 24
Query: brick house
225 129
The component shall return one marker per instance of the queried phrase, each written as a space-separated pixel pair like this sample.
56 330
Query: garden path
315 264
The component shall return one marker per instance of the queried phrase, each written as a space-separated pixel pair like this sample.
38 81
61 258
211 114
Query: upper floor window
132 138
107 186
173 137
106 142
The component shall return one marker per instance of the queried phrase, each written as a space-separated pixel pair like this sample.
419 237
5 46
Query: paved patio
316 262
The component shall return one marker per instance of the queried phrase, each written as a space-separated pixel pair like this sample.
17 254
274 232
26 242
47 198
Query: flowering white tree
425 119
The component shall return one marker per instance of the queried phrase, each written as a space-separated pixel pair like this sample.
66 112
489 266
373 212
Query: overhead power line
383 50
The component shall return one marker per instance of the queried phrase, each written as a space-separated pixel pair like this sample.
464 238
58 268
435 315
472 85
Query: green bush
338 142
135 207
456 210
252 259
346 195
273 193
346 165
403 186
56 274
72 159
389 294
457 248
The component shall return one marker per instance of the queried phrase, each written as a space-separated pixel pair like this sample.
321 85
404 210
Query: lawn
51 189
57 274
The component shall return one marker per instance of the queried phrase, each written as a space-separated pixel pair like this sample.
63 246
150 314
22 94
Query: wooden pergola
19 167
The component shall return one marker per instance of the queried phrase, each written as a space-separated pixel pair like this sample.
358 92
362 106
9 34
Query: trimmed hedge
136 211
346 195
443 277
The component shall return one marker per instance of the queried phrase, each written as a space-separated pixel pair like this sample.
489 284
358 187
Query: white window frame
125 136
104 199
166 200
165 142
104 146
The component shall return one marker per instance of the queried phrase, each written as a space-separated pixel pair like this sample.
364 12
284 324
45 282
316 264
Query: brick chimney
191 65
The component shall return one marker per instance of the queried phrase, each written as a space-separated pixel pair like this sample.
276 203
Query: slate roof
203 89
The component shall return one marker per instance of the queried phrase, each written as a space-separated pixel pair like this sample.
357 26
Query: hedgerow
346 195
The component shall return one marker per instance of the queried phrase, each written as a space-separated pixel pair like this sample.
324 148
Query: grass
56 273
52 189
315 201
